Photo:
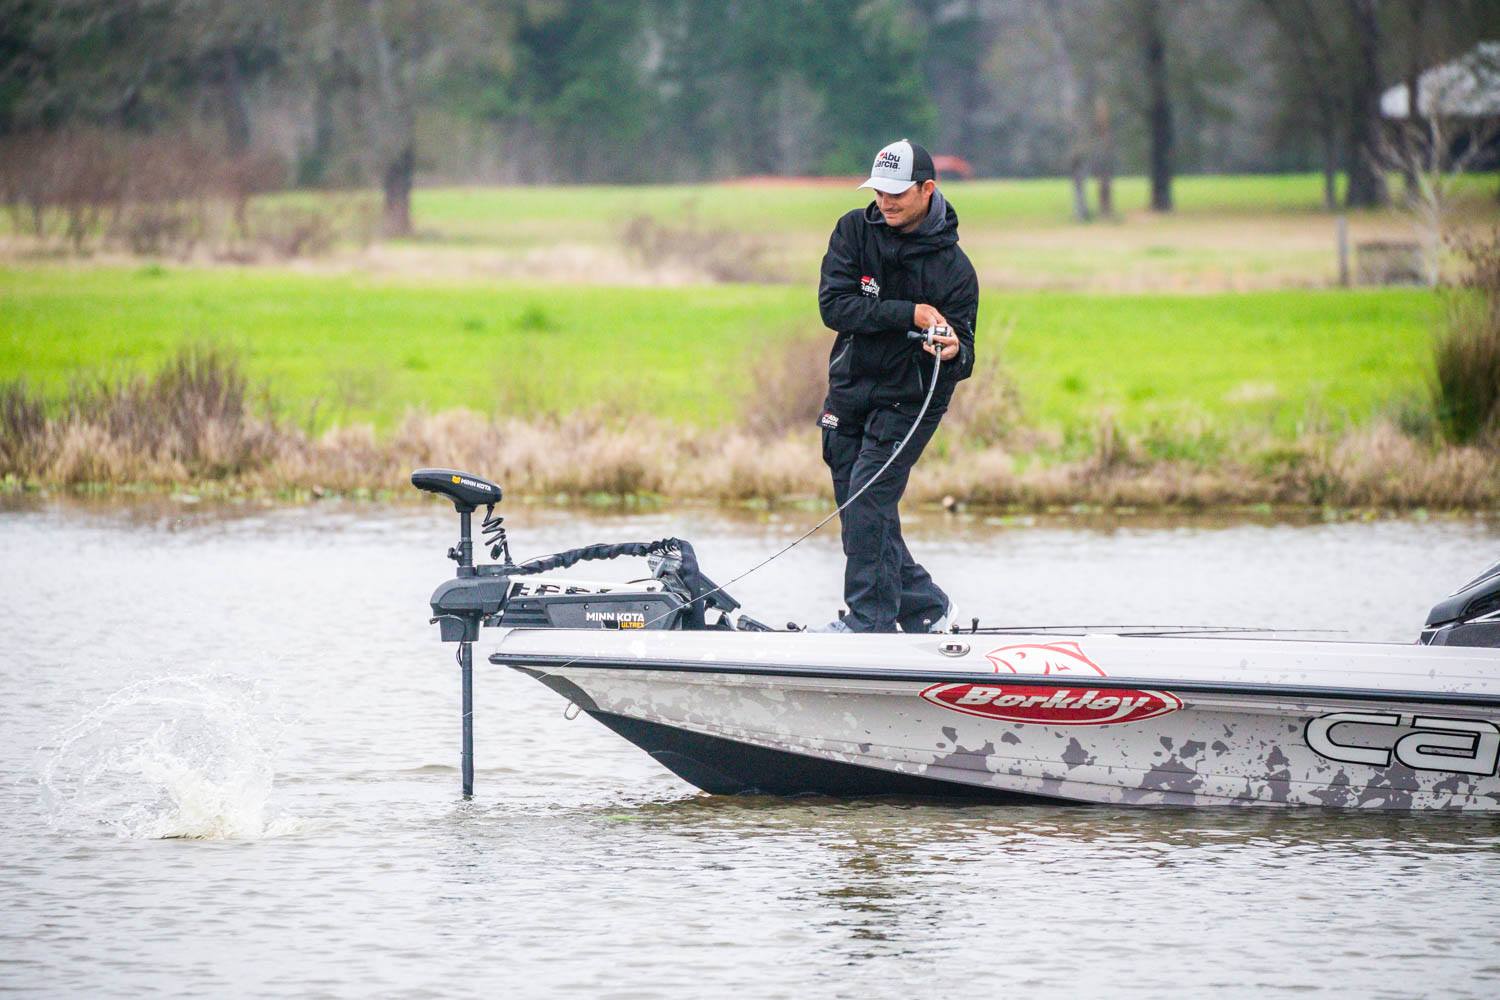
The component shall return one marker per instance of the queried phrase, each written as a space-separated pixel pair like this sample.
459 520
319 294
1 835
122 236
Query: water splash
189 756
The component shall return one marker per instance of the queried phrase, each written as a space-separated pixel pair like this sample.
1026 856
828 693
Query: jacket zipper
840 356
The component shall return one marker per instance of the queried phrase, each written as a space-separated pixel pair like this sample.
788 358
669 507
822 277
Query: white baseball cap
899 166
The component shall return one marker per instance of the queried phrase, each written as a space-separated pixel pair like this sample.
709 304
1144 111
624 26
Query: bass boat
1163 717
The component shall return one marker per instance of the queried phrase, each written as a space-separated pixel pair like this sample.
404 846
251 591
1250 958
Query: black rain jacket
872 279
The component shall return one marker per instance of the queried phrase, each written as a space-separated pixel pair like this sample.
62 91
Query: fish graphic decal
1044 658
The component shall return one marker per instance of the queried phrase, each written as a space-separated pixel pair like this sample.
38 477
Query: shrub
720 253
1466 351
986 407
190 420
23 428
162 195
791 379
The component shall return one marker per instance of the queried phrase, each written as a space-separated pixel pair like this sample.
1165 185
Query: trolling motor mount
461 605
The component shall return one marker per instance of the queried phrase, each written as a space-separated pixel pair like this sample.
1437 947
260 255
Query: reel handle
927 335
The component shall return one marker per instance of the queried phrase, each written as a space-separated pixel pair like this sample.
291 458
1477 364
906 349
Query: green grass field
1228 233
356 349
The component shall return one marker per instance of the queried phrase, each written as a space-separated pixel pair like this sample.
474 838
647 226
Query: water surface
228 741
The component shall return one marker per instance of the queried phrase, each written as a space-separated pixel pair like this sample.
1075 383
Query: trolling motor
461 605
677 595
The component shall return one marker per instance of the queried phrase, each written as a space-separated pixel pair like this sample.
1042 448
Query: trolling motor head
461 605
466 490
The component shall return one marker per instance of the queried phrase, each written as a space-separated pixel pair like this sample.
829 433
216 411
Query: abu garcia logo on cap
887 160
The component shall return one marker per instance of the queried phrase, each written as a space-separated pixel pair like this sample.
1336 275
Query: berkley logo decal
1047 658
1053 706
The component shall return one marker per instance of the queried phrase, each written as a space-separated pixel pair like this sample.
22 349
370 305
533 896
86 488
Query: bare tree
227 47
1443 134
1074 34
1104 155
1316 62
1367 187
392 61
400 53
1076 97
1159 106
1415 55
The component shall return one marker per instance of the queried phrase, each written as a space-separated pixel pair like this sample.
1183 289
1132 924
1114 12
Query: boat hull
1151 741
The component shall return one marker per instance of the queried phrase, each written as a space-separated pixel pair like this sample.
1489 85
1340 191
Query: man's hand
949 342
924 316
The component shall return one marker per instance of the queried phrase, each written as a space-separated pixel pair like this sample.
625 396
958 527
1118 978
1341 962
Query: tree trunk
1411 146
236 108
314 167
1367 187
1411 142
397 181
1104 156
1160 106
1076 86
1330 164
396 127
1080 170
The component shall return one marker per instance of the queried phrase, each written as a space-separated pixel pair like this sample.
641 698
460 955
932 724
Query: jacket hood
939 229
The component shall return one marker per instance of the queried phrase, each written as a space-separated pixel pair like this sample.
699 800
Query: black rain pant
883 586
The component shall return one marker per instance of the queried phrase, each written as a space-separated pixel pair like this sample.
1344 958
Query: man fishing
891 267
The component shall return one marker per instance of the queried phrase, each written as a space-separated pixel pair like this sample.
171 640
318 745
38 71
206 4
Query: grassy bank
348 349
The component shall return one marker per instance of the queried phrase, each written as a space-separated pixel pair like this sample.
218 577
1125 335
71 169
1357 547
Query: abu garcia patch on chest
869 286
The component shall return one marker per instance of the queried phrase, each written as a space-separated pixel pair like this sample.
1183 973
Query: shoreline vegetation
197 424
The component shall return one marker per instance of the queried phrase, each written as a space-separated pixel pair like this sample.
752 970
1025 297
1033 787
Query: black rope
701 591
